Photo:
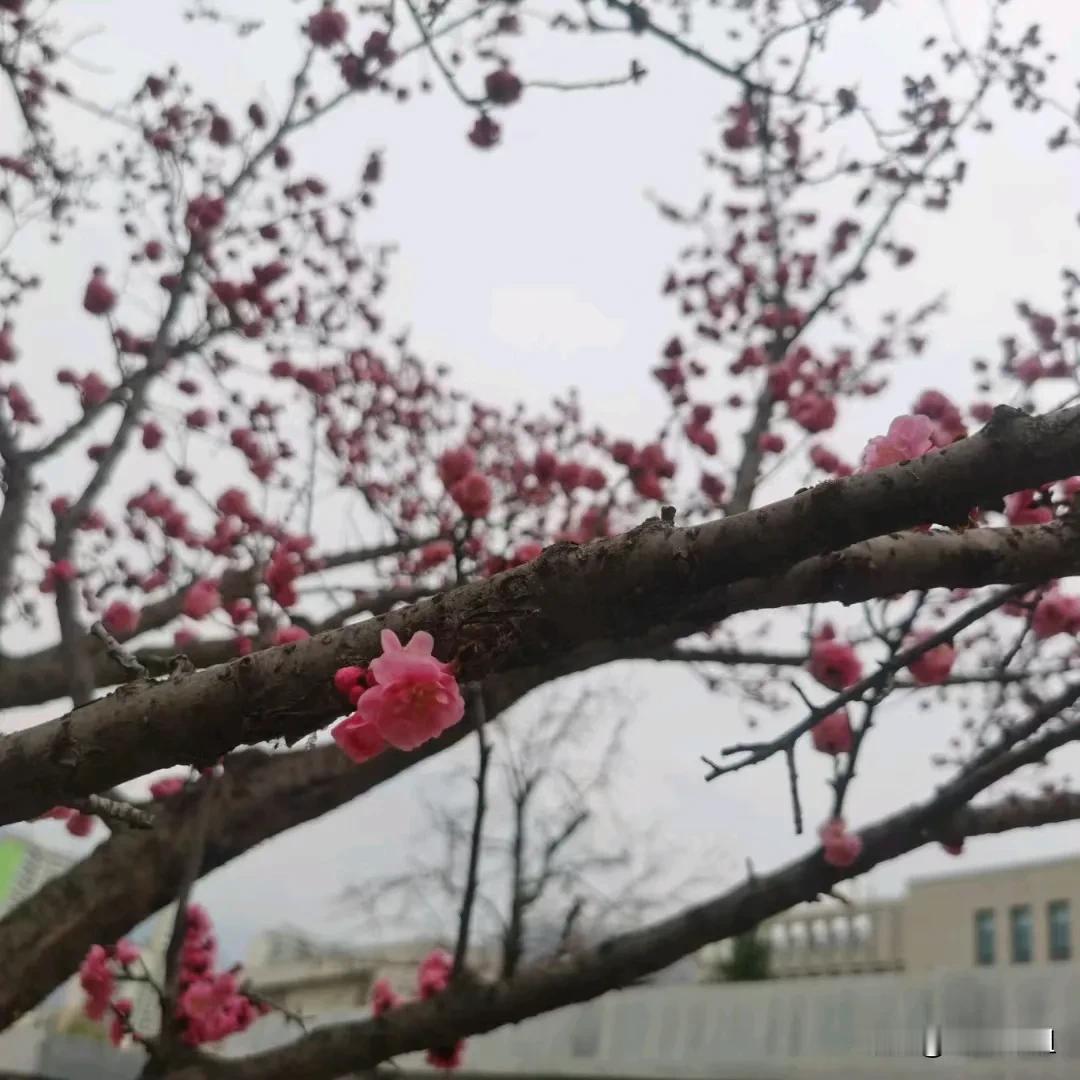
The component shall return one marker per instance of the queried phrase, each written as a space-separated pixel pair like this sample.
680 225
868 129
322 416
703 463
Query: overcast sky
539 266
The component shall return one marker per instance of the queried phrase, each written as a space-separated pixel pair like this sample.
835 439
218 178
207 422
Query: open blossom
841 848
202 598
908 437
833 735
834 663
1056 613
934 666
414 698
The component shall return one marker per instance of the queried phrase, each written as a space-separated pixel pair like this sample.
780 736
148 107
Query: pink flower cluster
908 437
433 977
833 663
1056 613
406 698
210 1005
934 666
468 487
841 847
98 975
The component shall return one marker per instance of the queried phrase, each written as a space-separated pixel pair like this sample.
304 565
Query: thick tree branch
655 574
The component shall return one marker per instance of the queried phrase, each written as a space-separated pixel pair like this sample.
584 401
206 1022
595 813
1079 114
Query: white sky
539 266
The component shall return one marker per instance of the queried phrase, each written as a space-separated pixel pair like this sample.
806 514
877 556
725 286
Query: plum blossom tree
247 510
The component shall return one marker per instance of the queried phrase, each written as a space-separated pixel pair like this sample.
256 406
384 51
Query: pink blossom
202 598
472 493
125 952
359 738
80 824
383 997
812 411
834 663
908 437
454 465
1021 509
433 976
121 618
415 696
167 788
934 666
288 634
98 982
346 678
841 848
833 735
1056 613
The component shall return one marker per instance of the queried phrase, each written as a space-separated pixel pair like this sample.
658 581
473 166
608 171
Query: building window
1020 933
1060 933
984 936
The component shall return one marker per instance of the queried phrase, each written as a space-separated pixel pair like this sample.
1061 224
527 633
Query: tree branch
533 613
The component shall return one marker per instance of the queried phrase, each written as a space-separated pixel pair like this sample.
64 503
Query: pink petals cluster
468 487
433 977
98 976
934 666
833 735
210 1005
404 699
1056 613
833 663
908 437
841 848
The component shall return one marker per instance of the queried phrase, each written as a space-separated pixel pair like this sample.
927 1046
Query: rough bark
652 575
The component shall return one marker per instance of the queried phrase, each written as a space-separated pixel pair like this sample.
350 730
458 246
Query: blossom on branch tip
833 735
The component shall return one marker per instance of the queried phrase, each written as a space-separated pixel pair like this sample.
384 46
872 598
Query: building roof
994 871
